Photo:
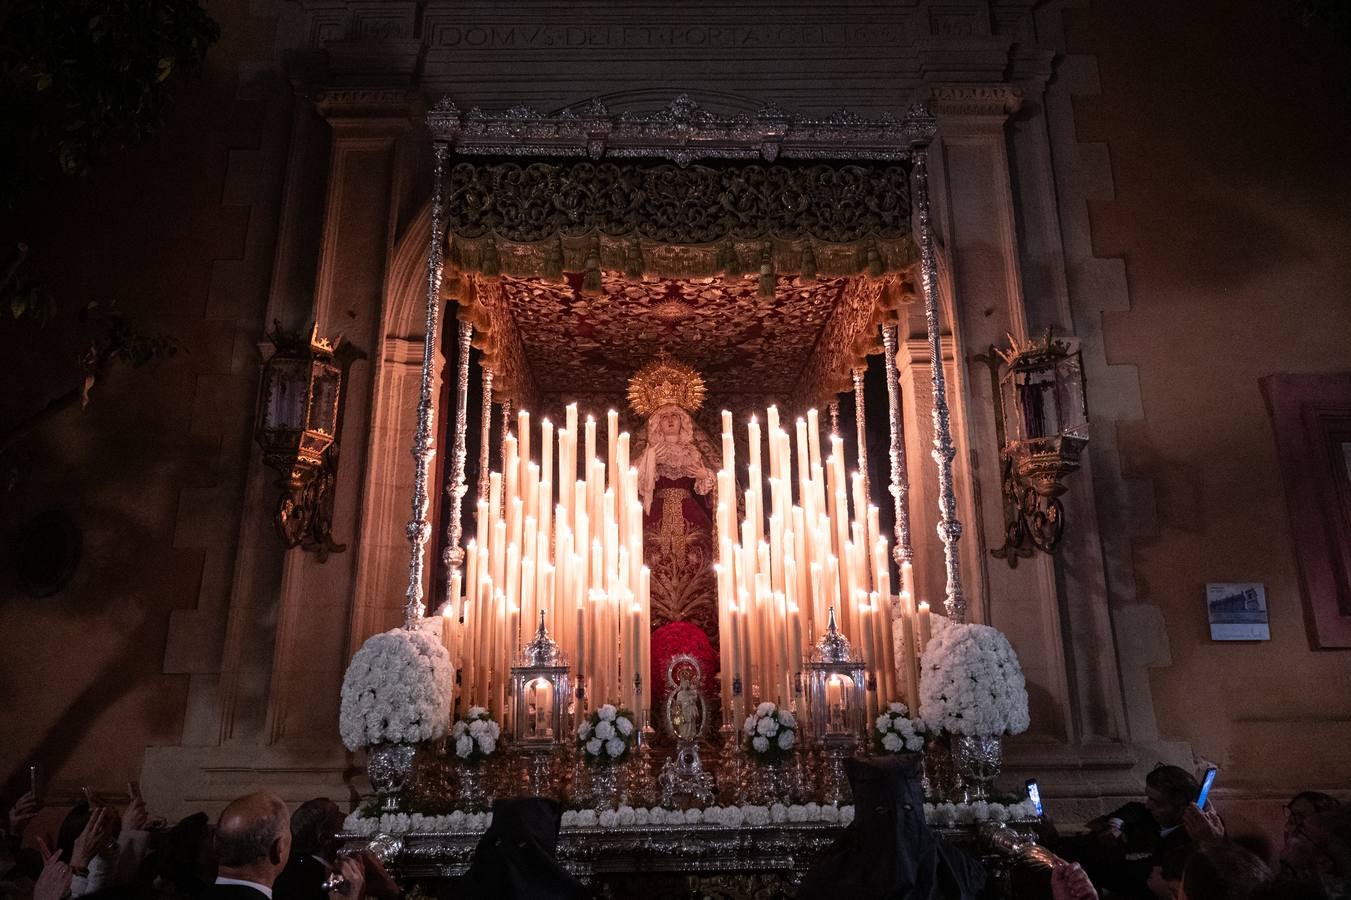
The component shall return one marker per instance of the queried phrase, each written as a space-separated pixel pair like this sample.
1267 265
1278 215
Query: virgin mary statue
677 465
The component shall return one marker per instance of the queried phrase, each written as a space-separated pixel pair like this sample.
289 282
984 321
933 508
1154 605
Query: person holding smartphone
1121 849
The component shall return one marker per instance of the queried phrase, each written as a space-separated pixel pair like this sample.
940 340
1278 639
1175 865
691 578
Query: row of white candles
779 576
575 555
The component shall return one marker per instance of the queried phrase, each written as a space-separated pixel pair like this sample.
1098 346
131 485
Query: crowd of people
258 849
1169 848
1164 847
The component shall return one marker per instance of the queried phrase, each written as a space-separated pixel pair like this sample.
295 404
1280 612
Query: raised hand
353 878
54 882
99 832
24 809
1202 824
1070 882
134 817
379 883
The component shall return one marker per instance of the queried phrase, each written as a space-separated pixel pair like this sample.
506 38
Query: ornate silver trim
949 527
419 530
861 431
904 551
452 556
682 132
485 433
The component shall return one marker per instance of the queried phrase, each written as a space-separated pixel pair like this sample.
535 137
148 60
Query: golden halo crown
665 381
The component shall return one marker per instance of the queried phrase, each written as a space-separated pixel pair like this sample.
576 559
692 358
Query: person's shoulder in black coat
233 892
302 879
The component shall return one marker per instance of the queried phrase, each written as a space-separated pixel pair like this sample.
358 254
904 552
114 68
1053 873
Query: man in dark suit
253 843
1121 849
313 849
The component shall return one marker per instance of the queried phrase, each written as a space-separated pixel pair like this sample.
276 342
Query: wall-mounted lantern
297 425
1041 419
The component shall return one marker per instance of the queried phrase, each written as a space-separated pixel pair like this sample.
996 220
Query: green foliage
79 77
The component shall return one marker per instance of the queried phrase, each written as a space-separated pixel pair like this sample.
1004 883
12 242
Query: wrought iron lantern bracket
299 420
1049 438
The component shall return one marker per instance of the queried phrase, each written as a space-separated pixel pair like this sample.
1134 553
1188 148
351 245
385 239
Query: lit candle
590 456
580 657
814 430
925 628
523 437
612 445
546 451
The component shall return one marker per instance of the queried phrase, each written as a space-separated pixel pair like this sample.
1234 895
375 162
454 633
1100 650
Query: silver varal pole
949 527
453 554
419 530
861 433
904 551
485 433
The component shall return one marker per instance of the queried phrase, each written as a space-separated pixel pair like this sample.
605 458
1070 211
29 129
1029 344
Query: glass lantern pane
323 411
1070 399
539 709
839 702
1037 403
285 395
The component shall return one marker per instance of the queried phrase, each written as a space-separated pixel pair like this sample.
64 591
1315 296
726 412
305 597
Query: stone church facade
1091 175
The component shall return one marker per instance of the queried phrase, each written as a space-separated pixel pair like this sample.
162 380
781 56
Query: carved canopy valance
545 212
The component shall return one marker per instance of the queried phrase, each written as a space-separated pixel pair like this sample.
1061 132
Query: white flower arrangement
895 732
971 682
771 733
607 735
474 737
722 817
397 688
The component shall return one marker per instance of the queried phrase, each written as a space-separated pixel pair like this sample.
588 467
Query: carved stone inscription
462 35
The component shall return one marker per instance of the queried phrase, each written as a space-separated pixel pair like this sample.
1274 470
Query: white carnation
624 725
464 745
761 744
457 730
477 727
608 712
614 747
786 719
786 739
883 722
897 708
749 727
608 818
892 742
971 682
583 730
764 709
486 744
593 746
605 730
768 727
397 687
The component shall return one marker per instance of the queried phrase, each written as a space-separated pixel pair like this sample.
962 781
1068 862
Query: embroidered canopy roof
760 249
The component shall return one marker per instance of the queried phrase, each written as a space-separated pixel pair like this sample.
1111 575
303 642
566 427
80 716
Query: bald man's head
254 836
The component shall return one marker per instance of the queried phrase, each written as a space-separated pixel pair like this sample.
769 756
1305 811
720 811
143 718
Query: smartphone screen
1204 794
1034 794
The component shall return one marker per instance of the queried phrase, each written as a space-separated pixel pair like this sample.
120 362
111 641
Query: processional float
595 258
